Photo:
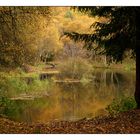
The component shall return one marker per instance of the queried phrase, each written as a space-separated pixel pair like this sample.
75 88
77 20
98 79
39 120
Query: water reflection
70 101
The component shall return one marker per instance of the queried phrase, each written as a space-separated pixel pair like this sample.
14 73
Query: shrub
121 105
75 69
16 85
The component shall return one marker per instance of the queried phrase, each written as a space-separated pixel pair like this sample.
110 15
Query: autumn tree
22 30
115 35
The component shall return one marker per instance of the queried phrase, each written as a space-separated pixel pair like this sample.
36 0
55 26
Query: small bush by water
121 105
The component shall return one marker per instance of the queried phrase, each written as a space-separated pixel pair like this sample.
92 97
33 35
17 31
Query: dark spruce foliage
119 33
115 35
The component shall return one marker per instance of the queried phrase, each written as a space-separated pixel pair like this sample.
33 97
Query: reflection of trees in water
22 110
70 100
109 78
118 81
72 97
76 97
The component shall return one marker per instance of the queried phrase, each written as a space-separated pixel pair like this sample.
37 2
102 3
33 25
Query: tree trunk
137 92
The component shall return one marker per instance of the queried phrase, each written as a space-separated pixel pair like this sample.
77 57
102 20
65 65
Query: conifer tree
117 34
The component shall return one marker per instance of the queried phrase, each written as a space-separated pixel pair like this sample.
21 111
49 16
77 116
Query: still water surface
70 101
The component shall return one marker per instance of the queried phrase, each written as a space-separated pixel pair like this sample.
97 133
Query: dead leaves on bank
124 123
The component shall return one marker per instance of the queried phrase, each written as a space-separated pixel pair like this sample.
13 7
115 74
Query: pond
65 101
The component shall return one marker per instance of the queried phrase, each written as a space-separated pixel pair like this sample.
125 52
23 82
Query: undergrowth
121 105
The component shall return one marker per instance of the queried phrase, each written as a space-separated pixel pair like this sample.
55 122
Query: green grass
126 65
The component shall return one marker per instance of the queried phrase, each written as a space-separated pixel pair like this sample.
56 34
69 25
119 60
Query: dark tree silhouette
117 34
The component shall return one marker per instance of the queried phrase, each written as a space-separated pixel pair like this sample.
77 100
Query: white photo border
69 2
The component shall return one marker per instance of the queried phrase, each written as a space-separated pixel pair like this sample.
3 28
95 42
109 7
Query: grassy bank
125 66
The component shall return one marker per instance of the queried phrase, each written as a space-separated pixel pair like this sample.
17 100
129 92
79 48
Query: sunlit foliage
21 31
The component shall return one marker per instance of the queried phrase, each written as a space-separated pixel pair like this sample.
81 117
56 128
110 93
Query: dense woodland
28 33
58 53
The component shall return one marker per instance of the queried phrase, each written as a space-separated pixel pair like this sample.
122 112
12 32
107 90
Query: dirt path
127 122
